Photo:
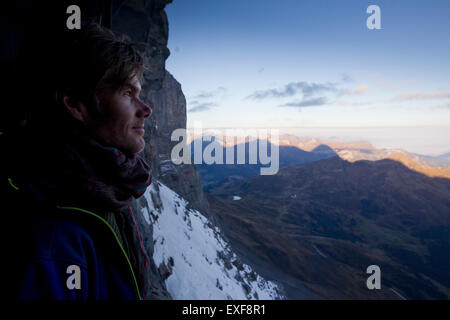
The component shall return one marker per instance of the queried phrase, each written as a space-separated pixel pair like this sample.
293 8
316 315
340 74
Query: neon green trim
115 236
110 228
12 184
139 253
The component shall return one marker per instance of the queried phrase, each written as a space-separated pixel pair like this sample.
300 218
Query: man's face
121 120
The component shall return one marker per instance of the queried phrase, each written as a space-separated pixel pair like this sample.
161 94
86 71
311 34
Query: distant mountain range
293 150
288 155
445 156
361 150
315 227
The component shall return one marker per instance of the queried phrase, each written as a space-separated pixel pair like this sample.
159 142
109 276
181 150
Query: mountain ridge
349 214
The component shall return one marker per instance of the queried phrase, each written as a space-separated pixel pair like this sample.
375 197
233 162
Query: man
72 171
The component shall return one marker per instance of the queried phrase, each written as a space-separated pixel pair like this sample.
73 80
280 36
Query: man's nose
146 110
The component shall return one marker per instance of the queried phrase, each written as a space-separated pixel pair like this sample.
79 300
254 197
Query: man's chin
139 146
134 147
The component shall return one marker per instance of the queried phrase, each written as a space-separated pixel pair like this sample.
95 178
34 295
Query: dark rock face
145 21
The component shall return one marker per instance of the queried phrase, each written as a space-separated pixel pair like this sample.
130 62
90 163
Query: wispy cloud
312 93
346 78
388 85
320 101
206 100
294 88
422 96
202 107
362 88
220 91
361 103
445 106
401 97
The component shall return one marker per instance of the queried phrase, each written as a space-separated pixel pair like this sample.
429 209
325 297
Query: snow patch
203 265
145 214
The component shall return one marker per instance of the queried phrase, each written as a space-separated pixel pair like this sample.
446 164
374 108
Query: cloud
422 96
293 88
309 91
220 91
205 100
314 94
202 107
346 78
361 103
445 106
320 101
359 89
401 97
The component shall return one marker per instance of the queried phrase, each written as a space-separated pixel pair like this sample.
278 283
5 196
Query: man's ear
74 108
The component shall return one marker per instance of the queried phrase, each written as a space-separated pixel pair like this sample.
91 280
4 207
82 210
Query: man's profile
72 171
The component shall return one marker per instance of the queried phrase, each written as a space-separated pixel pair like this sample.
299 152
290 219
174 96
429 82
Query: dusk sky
315 64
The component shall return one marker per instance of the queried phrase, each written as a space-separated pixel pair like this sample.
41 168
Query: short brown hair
97 58
82 62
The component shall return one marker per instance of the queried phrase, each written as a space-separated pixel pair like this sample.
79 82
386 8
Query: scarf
75 170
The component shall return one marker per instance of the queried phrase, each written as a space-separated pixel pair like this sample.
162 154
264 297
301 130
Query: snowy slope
201 263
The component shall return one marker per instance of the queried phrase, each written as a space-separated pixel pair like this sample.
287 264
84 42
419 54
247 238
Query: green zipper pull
12 184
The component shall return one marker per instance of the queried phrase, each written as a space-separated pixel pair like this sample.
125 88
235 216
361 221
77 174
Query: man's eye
127 93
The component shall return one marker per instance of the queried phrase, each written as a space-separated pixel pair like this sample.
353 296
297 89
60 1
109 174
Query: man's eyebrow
130 86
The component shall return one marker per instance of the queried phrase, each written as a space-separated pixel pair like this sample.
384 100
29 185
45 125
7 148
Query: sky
308 65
